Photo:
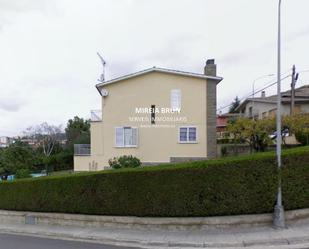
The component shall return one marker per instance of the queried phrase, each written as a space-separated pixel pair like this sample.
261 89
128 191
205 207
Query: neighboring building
263 107
222 122
34 142
158 115
5 142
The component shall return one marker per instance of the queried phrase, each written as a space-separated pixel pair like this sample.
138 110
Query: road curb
27 230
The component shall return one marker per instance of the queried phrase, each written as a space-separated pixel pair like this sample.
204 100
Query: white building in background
259 108
5 141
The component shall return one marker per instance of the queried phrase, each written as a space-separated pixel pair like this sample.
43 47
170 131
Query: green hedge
241 185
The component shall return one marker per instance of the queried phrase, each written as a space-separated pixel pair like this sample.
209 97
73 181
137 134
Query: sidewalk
267 237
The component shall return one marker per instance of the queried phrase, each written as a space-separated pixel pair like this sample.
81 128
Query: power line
269 82
251 94
304 71
265 86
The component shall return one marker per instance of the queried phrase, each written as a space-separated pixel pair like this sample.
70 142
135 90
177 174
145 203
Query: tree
254 132
47 136
17 156
234 105
299 125
77 132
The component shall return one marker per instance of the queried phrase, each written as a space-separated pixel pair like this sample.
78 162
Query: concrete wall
300 216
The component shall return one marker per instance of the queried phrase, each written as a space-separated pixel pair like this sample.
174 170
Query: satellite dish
104 92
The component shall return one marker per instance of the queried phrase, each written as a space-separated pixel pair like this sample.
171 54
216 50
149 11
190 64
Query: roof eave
201 76
96 86
239 107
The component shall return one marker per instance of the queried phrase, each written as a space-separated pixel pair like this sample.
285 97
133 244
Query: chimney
263 94
210 68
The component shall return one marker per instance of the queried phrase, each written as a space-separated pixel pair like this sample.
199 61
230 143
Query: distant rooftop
301 95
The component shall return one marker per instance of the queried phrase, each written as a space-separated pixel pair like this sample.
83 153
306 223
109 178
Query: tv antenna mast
102 76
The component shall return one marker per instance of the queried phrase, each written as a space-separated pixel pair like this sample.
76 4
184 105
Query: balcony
82 150
96 115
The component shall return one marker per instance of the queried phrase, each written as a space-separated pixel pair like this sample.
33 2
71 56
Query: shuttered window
126 137
176 99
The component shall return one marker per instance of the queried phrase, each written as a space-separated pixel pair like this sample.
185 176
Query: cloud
22 5
11 10
11 104
298 34
48 48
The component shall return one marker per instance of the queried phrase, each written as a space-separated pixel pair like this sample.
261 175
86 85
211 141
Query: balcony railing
82 149
96 115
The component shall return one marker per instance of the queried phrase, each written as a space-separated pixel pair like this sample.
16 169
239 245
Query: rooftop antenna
102 76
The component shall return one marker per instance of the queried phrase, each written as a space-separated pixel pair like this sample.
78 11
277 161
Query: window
272 113
153 114
187 134
297 109
264 115
126 137
176 99
250 112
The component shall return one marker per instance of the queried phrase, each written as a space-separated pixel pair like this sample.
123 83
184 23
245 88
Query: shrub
223 141
22 173
124 162
224 151
302 137
17 156
114 163
60 161
229 186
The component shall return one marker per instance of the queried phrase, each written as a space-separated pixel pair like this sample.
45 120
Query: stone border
299 216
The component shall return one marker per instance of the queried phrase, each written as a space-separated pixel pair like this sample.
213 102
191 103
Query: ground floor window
126 137
187 134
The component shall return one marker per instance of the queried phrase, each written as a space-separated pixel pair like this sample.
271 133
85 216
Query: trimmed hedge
230 186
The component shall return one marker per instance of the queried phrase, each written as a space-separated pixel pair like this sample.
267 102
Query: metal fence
96 115
82 149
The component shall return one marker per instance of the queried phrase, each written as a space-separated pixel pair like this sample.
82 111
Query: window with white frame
188 134
176 99
126 137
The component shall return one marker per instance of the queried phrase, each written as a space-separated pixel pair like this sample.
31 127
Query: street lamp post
279 221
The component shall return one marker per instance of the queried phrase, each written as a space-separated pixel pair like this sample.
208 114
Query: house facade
263 107
223 121
158 115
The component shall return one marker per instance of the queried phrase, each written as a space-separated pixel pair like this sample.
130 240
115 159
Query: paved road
8 241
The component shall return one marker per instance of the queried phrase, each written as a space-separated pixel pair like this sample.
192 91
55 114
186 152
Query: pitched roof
301 96
162 70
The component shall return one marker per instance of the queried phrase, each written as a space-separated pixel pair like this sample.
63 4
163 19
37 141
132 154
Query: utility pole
294 80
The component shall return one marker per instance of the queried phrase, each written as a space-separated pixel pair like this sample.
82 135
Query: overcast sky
48 49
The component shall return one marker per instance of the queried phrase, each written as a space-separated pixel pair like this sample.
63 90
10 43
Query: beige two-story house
158 115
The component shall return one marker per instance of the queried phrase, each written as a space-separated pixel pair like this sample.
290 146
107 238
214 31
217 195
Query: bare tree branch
45 135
